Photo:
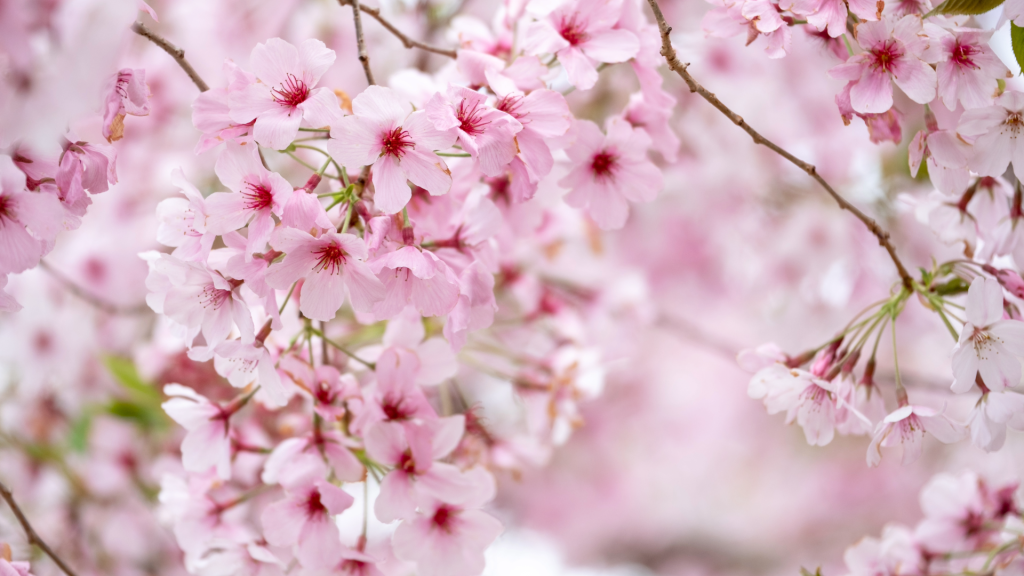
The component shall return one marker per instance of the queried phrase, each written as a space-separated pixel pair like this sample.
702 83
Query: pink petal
915 78
272 61
381 106
314 59
873 93
321 108
355 142
391 192
611 46
427 171
578 67
322 295
277 127
364 289
395 500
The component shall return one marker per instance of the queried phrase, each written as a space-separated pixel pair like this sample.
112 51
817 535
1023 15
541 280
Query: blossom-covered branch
681 69
177 53
30 532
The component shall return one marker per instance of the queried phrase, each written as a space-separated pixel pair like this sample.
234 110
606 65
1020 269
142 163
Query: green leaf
968 6
123 370
144 415
954 286
1017 39
78 435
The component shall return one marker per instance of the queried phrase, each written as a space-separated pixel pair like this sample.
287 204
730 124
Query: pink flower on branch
399 144
994 131
331 265
906 427
893 52
989 346
417 277
610 171
285 97
969 72
488 134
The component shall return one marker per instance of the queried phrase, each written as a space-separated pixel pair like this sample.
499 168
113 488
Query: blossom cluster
970 524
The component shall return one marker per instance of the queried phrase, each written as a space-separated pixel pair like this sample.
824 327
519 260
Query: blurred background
675 471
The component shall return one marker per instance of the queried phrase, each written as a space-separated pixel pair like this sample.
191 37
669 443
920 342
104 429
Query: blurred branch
177 53
89 298
408 42
364 57
30 533
688 331
681 69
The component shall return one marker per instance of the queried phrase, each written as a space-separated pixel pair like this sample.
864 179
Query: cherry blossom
208 442
128 94
399 144
29 221
989 347
543 114
211 110
416 277
892 50
581 33
183 222
284 96
993 130
609 171
488 134
969 72
906 427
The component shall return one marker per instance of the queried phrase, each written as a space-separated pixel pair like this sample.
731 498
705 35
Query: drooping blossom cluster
970 524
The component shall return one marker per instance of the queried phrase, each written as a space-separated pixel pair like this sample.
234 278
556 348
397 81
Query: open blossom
906 427
412 449
246 363
417 277
211 110
992 414
543 115
609 171
446 539
581 34
304 517
208 442
896 553
128 94
892 53
29 221
285 95
257 194
996 129
384 132
946 156
830 16
488 134
183 222
989 346
332 265
755 18
970 71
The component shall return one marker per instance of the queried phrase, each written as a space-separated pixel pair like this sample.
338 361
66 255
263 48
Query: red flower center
573 31
470 114
886 55
510 105
406 463
393 406
6 209
257 196
291 93
313 505
963 55
396 142
330 258
444 518
604 163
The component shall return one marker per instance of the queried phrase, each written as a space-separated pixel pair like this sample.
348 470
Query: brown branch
177 53
364 57
408 42
89 298
680 68
30 533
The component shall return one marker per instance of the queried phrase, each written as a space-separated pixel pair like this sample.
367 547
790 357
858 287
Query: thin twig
177 53
30 533
408 42
680 68
364 56
89 298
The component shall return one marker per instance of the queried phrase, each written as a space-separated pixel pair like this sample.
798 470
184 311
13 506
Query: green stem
286 298
370 365
453 154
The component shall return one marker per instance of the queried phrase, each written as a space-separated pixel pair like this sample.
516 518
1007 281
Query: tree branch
177 53
364 57
30 533
408 42
680 68
89 298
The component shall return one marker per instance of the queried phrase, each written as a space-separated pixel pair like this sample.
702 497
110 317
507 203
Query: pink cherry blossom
285 97
208 442
906 427
29 221
610 171
331 265
211 110
581 34
488 134
14 568
399 144
992 414
946 155
970 71
303 519
989 346
411 448
995 130
895 554
397 396
417 277
183 222
543 115
245 363
257 194
475 308
892 51
447 539
754 18
328 444
86 167
128 94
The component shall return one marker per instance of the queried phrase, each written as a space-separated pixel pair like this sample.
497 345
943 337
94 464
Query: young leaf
968 6
1017 39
